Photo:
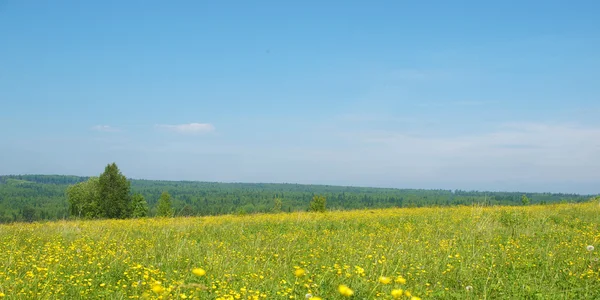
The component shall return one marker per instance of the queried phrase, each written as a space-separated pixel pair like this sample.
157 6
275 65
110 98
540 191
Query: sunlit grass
428 253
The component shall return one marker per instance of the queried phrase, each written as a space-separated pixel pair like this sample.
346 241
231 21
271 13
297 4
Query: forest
43 197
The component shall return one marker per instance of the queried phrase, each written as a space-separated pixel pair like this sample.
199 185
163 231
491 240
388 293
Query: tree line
112 195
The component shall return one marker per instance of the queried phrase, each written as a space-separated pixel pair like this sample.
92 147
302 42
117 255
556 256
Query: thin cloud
105 128
195 128
541 151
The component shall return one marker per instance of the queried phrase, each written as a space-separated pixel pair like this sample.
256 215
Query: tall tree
140 207
164 206
84 199
277 203
114 193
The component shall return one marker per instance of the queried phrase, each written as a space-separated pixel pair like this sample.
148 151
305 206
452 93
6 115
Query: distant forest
43 197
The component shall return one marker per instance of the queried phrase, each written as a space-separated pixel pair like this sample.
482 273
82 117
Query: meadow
468 252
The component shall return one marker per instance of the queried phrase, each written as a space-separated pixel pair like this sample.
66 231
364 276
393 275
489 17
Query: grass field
429 253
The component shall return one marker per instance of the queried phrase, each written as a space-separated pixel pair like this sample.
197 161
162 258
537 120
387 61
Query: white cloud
105 128
196 128
525 151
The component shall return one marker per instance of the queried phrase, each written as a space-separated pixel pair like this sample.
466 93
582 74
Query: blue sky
487 95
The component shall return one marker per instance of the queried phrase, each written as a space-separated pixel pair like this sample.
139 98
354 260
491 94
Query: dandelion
385 280
316 298
590 248
299 272
2 295
397 293
415 298
468 288
345 290
308 296
157 288
400 280
199 272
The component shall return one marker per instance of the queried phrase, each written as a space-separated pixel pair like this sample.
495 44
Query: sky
471 95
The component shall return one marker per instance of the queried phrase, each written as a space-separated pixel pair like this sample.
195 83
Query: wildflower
397 293
157 288
299 272
199 272
400 280
316 298
590 248
469 288
308 296
345 290
415 298
2 295
385 280
407 294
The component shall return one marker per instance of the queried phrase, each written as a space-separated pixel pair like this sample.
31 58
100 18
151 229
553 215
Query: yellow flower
316 298
199 272
157 288
400 280
345 291
397 293
299 272
385 280
183 296
407 293
2 295
415 298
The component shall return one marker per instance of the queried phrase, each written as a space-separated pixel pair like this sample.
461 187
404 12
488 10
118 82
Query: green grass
536 252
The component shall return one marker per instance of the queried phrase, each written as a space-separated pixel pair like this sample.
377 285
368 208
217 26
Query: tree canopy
114 189
52 197
107 196
84 199
140 207
164 208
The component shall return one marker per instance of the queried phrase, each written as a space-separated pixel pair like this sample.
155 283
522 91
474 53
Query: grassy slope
502 252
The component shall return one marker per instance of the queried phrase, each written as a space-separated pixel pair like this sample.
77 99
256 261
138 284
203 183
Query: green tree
525 200
318 203
84 199
114 191
140 206
164 208
277 203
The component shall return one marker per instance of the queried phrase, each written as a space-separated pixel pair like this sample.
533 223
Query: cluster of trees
111 195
